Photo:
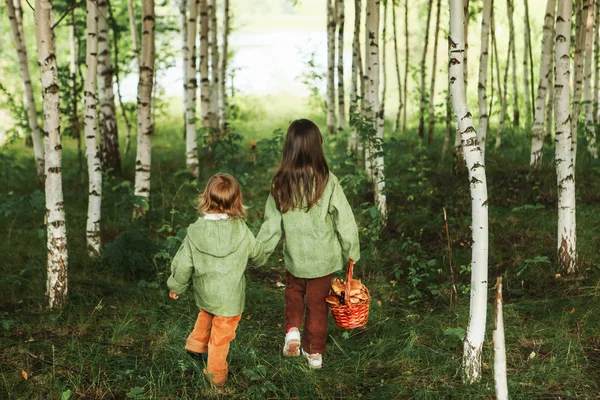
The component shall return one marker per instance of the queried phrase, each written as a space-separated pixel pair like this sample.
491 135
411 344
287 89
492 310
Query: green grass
120 333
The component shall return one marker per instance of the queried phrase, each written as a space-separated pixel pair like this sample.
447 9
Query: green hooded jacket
317 242
215 254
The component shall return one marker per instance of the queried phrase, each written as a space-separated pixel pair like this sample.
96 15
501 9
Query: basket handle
349 273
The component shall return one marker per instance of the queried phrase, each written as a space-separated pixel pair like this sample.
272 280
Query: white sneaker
291 347
315 360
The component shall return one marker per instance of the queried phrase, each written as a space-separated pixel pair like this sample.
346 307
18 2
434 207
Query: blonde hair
222 195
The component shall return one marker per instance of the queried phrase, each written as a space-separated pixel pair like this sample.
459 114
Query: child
308 207
216 251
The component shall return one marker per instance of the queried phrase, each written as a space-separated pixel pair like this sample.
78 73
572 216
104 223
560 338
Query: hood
217 238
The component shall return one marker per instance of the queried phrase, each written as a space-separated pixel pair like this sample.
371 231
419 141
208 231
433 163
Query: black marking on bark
57 147
94 193
54 170
52 89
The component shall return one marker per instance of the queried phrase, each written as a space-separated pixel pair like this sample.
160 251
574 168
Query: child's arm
270 231
345 224
257 251
181 269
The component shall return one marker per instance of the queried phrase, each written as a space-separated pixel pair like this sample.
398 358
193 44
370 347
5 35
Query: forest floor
120 336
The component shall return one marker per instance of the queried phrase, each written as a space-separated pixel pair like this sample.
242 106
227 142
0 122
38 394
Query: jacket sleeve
181 268
257 251
344 224
270 231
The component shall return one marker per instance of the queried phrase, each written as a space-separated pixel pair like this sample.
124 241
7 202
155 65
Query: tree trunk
357 76
214 65
74 62
596 58
477 178
550 101
526 90
90 122
513 56
448 124
204 78
483 66
499 346
109 135
16 23
565 165
57 262
330 67
134 32
529 55
587 88
340 67
145 127
466 37
433 75
511 44
578 78
186 58
423 72
223 71
545 73
398 78
406 64
191 148
373 111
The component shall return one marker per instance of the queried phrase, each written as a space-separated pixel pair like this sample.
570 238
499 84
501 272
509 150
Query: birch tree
373 111
483 66
186 58
74 60
578 56
478 187
109 134
526 88
406 63
90 122
510 6
214 65
511 44
596 67
565 166
57 261
191 149
356 76
16 24
433 75
145 127
587 84
204 78
545 73
398 78
499 346
550 101
340 66
135 37
330 67
223 70
466 37
423 72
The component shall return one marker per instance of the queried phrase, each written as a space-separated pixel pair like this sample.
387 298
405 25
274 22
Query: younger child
308 207
215 252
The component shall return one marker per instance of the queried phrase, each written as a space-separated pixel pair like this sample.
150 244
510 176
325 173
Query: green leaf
66 395
457 332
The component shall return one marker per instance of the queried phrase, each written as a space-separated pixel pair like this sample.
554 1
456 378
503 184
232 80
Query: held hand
173 296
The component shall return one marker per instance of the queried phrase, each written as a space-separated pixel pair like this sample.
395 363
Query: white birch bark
596 31
499 346
478 187
431 121
214 65
398 78
511 44
526 88
578 76
483 66
373 111
109 134
466 37
135 37
550 102
204 60
223 71
145 127
545 73
406 64
565 167
340 67
191 148
74 60
16 23
424 71
90 123
510 6
57 262
587 84
356 75
330 67
186 58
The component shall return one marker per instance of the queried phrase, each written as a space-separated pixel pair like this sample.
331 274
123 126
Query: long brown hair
222 195
303 172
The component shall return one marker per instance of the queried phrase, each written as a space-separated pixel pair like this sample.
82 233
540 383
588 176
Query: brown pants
305 299
212 334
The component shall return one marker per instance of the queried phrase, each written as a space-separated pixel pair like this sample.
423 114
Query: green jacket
317 242
215 253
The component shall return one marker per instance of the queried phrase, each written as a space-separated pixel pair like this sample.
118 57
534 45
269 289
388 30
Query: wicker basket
349 316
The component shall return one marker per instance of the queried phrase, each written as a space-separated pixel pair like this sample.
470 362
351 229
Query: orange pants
212 334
